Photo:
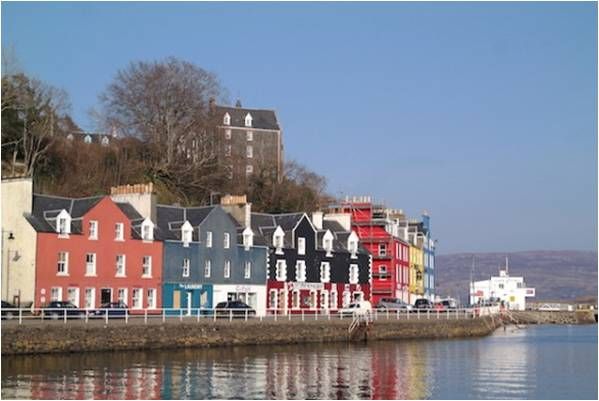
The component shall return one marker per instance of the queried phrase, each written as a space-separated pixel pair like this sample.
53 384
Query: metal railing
164 315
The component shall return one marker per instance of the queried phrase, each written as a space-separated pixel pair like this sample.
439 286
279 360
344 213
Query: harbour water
538 362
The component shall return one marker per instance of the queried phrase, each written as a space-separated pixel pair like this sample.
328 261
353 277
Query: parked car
423 303
57 310
114 309
357 308
393 303
449 304
234 308
8 314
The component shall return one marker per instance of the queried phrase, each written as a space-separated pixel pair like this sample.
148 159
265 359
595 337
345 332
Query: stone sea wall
557 317
80 338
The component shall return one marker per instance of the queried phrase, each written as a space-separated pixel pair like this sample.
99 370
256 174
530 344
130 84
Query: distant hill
556 275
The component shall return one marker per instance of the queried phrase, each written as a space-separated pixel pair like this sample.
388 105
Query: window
186 233
227 150
63 224
301 246
209 239
327 242
87 139
383 272
227 241
227 269
249 169
146 266
249 151
353 274
147 230
93 229
281 270
324 299
207 268
295 299
247 272
186 267
227 134
90 264
151 295
346 298
382 249
501 286
120 266
119 231
300 270
73 296
352 245
248 120
227 119
249 135
137 298
122 296
272 299
63 264
90 298
325 272
518 285
278 240
56 294
248 238
333 299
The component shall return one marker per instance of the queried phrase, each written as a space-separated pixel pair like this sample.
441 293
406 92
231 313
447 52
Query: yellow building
416 272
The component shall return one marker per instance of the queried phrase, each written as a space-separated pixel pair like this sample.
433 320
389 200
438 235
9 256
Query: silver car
393 303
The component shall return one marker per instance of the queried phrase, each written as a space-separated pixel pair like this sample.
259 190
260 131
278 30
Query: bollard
126 316
418 313
230 315
276 313
302 315
316 315
20 316
397 314
163 316
180 315
246 315
65 316
86 316
145 316
198 318
214 315
289 316
106 316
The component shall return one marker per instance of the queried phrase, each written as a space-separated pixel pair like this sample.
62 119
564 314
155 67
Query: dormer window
105 141
248 120
301 246
186 233
352 244
248 238
277 239
227 119
147 230
327 242
87 139
63 224
227 241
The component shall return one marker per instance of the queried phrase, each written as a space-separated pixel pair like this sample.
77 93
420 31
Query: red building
390 258
91 251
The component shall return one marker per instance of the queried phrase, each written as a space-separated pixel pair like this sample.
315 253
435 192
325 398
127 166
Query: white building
512 291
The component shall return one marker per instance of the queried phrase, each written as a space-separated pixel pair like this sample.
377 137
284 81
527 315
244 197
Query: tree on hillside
166 105
32 112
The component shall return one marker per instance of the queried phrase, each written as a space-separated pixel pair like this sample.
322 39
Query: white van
359 308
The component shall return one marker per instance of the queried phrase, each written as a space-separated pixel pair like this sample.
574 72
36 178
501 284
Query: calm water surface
542 362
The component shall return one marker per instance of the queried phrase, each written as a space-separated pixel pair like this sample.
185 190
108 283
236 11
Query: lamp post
5 266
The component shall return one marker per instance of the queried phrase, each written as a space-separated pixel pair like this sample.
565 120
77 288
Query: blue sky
485 114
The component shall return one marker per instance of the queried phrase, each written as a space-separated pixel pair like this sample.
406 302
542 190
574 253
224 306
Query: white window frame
382 249
119 232
62 265
137 302
118 265
386 272
227 269
281 270
247 272
301 246
208 239
227 241
125 295
186 236
207 268
346 300
248 120
147 231
90 267
300 271
273 299
151 298
325 272
146 266
186 267
354 273
249 136
58 292
249 151
228 133
77 297
227 119
93 230
92 303
333 302
248 238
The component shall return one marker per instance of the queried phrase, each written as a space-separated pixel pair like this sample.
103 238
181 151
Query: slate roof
46 208
171 218
264 119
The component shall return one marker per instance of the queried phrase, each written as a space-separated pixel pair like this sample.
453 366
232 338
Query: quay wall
554 317
80 338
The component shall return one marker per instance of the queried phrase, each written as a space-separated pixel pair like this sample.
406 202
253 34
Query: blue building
209 257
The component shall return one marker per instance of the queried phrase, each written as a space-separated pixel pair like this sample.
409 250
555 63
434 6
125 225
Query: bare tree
30 119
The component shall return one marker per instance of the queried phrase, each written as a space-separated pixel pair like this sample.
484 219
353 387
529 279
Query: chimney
212 105
238 103
140 196
238 207
317 220
248 215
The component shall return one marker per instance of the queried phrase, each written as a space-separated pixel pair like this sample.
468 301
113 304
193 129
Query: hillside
556 275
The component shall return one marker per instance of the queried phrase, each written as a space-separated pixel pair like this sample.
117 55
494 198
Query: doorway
189 302
105 296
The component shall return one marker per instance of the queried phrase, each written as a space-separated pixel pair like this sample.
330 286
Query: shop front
187 298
